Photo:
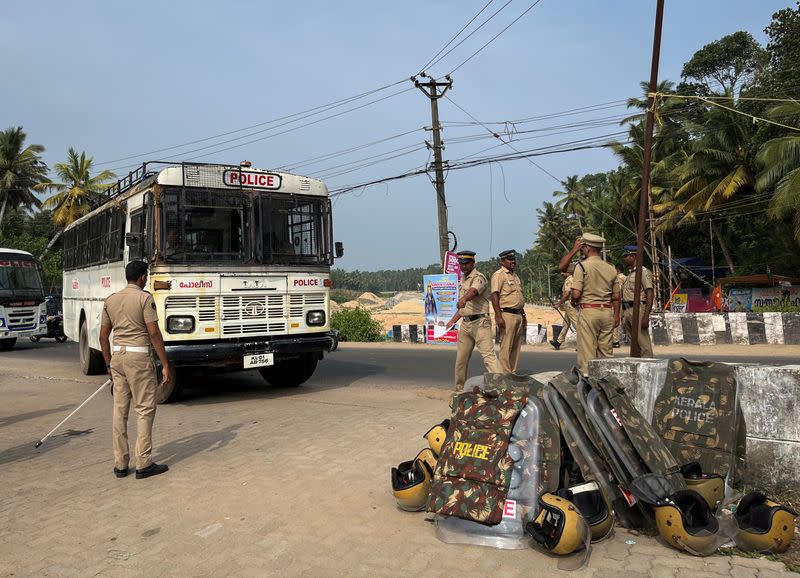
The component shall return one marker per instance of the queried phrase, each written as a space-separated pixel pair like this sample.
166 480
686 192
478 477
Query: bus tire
7 344
290 373
92 362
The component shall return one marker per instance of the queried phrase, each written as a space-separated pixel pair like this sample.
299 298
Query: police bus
239 267
22 302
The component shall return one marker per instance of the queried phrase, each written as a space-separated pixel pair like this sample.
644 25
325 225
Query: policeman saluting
476 327
596 292
131 314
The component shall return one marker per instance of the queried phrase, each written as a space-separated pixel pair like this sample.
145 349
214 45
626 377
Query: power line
474 54
329 105
485 6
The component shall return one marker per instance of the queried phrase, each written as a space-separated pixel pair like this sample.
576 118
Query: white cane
88 399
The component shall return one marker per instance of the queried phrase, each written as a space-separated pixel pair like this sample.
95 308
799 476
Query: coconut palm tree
780 159
719 168
573 198
77 193
21 169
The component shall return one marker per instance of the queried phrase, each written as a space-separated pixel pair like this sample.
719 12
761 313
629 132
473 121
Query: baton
88 399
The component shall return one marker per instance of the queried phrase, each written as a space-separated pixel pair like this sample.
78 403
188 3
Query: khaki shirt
627 286
128 312
480 303
567 288
596 279
509 286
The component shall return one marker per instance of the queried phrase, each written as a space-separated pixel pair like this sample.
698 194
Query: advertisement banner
739 300
440 295
772 296
451 265
679 302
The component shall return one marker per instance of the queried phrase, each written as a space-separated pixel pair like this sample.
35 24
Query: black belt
474 317
512 310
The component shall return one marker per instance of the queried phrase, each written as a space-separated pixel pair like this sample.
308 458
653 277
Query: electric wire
474 54
327 106
485 6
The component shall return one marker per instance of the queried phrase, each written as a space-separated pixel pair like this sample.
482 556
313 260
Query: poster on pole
679 303
451 265
440 296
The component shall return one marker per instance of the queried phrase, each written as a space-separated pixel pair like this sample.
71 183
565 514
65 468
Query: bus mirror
339 248
132 239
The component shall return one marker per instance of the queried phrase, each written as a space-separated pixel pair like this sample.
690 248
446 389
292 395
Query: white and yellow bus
22 303
239 262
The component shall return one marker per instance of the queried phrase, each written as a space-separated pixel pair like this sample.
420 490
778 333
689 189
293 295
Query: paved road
263 480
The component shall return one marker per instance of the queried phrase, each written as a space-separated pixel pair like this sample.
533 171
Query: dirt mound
401 296
368 299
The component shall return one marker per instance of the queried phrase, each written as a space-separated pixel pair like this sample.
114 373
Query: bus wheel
290 373
7 344
172 391
92 362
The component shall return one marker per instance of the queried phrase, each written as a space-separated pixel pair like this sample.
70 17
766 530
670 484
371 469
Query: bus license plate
259 360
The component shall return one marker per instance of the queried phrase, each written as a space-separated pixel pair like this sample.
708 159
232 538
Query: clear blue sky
122 79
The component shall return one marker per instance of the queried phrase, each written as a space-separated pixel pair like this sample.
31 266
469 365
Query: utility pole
644 196
431 90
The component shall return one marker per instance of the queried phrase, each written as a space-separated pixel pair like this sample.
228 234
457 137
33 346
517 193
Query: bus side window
137 252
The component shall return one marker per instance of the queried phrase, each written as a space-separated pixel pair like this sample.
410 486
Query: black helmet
763 525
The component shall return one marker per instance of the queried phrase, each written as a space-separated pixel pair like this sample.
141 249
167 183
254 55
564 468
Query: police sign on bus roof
252 179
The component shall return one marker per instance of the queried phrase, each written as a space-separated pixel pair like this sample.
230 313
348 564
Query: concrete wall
770 400
714 328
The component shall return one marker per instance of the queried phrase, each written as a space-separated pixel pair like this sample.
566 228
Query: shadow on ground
175 451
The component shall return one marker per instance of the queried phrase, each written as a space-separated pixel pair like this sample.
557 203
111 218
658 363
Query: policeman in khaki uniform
628 299
621 280
596 292
131 314
509 310
565 304
476 327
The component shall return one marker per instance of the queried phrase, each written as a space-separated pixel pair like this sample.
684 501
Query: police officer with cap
509 310
131 315
628 299
595 291
476 327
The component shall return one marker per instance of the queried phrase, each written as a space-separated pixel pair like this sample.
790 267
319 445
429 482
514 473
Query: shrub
356 325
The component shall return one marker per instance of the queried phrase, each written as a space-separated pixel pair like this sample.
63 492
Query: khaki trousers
571 313
595 326
474 334
510 342
645 345
134 378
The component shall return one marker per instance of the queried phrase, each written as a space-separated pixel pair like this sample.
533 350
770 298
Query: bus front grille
253 314
22 319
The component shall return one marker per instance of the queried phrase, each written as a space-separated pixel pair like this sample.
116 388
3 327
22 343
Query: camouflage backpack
474 470
698 417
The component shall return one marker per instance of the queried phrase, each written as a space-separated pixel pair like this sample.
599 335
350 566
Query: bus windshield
237 227
19 279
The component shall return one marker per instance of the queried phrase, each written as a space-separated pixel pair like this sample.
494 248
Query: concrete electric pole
431 90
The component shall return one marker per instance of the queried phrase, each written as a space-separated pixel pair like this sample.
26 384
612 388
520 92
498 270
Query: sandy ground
411 311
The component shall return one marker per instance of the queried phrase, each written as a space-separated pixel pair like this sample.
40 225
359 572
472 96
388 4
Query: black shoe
556 345
616 345
152 470
120 473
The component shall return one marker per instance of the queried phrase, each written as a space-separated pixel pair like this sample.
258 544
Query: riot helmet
685 522
763 525
710 486
436 436
592 506
411 484
559 526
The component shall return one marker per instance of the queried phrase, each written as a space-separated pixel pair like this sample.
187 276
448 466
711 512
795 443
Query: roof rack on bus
145 171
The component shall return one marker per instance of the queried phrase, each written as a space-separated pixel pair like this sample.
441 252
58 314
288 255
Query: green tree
780 159
77 193
726 65
783 46
21 170
573 199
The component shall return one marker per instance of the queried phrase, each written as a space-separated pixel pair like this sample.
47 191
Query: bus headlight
180 324
315 318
